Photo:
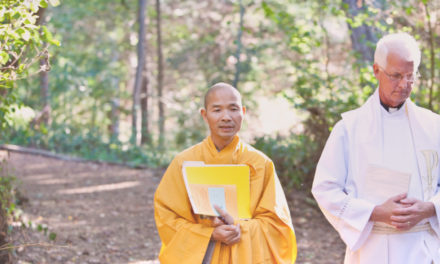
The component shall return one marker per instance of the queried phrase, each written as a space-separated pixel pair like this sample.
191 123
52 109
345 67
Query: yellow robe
266 238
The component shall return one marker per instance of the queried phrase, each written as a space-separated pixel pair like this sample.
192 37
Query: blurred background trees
128 79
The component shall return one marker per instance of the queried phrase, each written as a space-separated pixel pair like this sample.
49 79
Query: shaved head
217 87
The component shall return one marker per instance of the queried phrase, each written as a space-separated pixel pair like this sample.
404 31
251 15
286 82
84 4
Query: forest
122 81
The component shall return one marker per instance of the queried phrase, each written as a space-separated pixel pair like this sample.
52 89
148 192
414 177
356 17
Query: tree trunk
114 119
113 114
139 70
363 35
44 76
237 55
145 131
431 55
160 76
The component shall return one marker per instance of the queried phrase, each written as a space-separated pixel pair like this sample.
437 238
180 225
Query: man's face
395 80
223 114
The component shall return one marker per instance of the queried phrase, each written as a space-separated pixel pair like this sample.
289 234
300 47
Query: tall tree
160 76
145 130
114 112
431 47
139 70
44 75
239 43
361 35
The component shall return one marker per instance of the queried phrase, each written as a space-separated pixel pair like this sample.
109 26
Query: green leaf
43 4
16 15
52 236
55 42
54 2
4 57
26 35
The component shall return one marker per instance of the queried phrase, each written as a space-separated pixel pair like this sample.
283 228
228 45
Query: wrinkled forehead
223 96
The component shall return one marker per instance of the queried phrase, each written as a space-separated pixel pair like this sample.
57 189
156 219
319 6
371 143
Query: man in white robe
389 137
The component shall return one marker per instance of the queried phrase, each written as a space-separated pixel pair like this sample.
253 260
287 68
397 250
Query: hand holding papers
382 183
227 186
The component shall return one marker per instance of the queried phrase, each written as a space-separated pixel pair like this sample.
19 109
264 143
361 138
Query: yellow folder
227 184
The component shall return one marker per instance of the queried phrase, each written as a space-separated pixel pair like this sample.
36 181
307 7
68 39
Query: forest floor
103 213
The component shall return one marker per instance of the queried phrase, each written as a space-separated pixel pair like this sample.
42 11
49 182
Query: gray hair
400 40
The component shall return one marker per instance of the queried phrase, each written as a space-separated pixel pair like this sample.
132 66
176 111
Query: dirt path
104 214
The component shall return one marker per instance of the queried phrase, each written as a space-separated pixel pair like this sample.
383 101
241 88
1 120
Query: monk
268 237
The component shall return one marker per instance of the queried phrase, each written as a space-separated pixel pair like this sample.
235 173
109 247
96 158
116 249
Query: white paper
382 183
217 197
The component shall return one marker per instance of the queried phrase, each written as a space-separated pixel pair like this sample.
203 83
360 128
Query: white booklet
381 183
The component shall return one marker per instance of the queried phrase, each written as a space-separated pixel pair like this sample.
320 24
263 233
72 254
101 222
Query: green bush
7 206
88 145
294 157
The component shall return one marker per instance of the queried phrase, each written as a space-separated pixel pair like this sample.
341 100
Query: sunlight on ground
37 177
53 181
101 188
36 166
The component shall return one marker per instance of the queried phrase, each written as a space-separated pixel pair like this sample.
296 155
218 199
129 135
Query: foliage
326 79
7 204
302 50
21 45
291 156
7 207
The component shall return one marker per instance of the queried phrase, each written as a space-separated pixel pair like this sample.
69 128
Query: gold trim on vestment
387 229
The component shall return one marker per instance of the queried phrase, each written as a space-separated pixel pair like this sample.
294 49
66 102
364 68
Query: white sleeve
349 215
435 220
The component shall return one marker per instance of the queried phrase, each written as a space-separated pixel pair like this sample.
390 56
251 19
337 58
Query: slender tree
114 112
431 45
145 130
44 75
139 69
239 43
161 105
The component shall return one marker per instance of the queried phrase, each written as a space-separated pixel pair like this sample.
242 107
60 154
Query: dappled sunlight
37 177
100 188
69 224
83 174
36 166
54 181
119 174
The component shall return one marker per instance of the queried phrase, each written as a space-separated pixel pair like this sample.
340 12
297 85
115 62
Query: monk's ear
244 110
203 113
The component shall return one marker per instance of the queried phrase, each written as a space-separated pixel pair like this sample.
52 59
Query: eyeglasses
397 77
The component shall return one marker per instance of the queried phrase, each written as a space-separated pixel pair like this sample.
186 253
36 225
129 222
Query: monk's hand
227 234
225 231
383 212
224 216
412 212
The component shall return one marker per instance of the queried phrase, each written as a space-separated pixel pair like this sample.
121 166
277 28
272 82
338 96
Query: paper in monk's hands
225 185
382 183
